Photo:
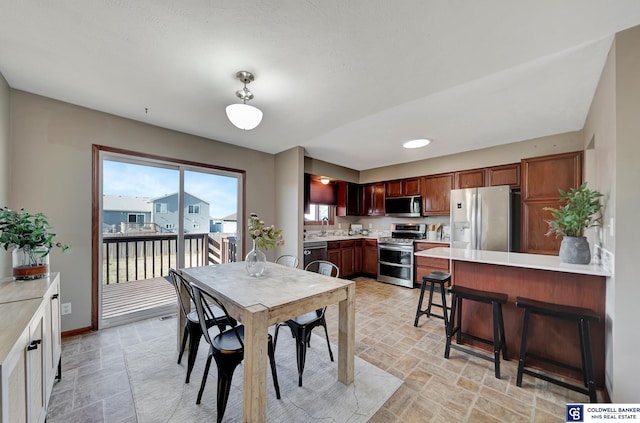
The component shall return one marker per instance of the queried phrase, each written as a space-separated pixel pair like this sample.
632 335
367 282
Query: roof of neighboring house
126 203
175 193
231 217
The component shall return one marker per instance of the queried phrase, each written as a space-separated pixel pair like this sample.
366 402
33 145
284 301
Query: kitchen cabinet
347 255
504 175
403 187
373 200
542 177
469 178
436 192
426 265
370 257
349 199
320 193
29 348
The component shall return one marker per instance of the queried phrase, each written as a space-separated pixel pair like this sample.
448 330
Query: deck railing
129 258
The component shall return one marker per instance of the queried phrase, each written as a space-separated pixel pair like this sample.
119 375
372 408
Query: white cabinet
29 349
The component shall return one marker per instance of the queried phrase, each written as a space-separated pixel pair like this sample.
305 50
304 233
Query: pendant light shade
244 116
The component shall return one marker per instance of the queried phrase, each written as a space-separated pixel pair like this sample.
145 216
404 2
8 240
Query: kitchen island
538 277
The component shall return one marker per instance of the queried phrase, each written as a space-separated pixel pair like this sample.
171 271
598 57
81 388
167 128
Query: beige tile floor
95 388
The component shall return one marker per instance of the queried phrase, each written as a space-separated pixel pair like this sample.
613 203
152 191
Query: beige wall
493 156
321 168
289 167
51 155
626 342
5 163
600 133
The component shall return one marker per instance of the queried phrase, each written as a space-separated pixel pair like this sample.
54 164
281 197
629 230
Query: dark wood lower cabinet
370 257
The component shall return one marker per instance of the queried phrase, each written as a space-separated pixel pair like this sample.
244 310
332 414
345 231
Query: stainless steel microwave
403 206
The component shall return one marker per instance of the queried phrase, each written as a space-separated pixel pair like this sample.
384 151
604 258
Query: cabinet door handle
55 296
34 345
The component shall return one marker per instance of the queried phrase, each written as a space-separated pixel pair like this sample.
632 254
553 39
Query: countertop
530 261
316 238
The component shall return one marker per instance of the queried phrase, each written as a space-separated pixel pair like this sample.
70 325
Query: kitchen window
317 212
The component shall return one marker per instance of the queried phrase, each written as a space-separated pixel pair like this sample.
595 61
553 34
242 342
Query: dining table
277 295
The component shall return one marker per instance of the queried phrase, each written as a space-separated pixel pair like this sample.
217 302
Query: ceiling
349 81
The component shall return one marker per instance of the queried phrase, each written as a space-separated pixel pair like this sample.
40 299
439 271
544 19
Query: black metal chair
192 329
301 326
228 350
288 260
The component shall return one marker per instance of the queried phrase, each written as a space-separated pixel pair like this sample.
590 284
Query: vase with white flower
263 237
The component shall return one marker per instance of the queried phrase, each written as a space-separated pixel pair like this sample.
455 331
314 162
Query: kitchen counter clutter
540 278
530 261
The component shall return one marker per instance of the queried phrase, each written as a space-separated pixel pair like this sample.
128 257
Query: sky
146 181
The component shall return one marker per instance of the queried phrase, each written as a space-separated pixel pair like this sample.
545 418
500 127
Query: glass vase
255 261
30 263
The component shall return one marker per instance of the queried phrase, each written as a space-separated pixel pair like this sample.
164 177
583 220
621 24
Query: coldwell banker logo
575 413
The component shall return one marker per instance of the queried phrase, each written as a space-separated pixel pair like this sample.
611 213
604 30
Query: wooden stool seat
578 314
433 278
496 299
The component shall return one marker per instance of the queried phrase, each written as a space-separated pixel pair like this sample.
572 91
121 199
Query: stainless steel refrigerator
481 218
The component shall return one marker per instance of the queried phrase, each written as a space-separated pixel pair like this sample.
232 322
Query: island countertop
530 261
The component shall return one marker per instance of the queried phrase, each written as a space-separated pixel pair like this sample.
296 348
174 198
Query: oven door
395 265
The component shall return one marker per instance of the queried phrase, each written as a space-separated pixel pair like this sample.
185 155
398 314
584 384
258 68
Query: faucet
323 229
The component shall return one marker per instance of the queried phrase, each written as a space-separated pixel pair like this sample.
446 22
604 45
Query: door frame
96 212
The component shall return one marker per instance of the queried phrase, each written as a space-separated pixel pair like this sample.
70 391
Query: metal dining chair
288 260
227 348
192 329
301 326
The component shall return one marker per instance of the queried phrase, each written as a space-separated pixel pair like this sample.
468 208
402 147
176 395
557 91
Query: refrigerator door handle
479 240
474 222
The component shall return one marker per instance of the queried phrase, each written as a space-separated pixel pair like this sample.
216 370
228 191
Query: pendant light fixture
243 115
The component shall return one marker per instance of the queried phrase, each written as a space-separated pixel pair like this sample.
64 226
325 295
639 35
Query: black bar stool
496 299
577 314
433 278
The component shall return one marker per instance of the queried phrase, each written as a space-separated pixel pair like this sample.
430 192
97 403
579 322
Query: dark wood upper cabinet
504 175
436 194
403 187
349 199
470 178
542 177
322 194
373 199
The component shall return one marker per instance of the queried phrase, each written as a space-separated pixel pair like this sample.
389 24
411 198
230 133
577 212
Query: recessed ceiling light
324 181
416 143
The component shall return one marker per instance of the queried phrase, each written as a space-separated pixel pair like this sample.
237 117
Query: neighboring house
196 213
119 209
225 225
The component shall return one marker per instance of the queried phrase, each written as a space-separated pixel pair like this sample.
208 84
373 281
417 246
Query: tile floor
95 388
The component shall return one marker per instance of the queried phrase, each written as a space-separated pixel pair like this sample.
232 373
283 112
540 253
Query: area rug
161 395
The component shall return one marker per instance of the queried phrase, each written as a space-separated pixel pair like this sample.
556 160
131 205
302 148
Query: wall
5 162
493 156
600 135
289 199
626 341
320 168
52 170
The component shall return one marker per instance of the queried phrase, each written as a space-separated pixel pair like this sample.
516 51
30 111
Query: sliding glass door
156 215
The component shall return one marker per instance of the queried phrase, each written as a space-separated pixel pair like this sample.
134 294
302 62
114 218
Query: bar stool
577 314
433 278
496 299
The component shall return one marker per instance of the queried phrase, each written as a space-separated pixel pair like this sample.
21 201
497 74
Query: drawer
371 242
421 246
347 244
333 245
437 263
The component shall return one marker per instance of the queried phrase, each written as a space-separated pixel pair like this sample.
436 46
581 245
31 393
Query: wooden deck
127 297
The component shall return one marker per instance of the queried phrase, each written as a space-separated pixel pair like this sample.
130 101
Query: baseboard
75 332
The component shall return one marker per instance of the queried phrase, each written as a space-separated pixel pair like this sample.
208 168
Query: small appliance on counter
355 229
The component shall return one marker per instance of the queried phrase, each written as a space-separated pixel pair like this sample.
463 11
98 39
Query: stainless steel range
395 253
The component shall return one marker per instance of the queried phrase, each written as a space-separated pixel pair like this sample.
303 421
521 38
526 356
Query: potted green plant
29 239
581 211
